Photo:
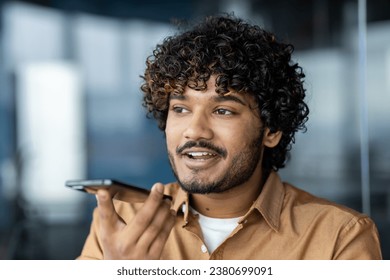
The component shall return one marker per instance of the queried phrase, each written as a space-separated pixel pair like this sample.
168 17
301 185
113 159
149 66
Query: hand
145 236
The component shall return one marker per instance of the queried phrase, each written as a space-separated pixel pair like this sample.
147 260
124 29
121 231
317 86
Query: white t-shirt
215 230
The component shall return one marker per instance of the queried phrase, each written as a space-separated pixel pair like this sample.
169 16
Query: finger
108 217
156 226
148 211
158 243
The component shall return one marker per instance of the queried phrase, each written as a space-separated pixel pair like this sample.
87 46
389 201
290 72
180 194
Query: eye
222 111
179 110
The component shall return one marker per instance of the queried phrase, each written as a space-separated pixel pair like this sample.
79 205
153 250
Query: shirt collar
268 203
181 198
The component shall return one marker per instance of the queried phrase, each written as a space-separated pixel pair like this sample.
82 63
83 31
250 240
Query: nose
198 127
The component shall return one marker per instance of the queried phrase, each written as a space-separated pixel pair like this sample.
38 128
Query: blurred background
70 107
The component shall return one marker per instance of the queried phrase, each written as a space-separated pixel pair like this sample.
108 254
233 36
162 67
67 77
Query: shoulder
306 206
350 234
298 198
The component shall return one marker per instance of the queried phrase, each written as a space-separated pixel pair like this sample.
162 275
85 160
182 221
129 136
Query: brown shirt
283 223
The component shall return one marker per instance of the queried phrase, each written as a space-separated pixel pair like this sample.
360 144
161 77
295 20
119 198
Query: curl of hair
244 58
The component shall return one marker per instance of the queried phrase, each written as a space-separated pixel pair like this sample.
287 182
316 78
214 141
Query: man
230 100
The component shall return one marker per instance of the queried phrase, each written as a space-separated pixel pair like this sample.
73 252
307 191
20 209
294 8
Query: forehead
210 93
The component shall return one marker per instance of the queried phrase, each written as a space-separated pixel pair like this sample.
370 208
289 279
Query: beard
239 171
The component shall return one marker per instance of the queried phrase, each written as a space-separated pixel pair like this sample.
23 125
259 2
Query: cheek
245 137
168 138
171 136
243 129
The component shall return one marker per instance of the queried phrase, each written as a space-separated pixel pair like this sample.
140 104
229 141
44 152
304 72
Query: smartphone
118 190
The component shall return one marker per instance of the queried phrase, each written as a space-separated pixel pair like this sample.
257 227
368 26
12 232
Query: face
214 142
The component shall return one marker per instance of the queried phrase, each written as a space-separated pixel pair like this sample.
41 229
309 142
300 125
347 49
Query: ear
271 139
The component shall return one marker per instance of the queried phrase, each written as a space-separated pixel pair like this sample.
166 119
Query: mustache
202 144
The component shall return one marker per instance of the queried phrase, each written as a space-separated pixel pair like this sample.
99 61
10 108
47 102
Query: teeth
199 154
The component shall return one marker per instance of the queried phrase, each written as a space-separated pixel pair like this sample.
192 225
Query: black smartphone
118 190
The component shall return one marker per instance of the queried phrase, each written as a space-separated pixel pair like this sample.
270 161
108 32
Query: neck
232 203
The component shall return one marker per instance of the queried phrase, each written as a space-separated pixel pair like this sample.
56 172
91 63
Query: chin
198 186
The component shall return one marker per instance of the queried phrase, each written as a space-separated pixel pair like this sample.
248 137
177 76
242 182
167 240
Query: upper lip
201 146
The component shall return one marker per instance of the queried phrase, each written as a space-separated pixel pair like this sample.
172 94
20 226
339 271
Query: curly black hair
245 59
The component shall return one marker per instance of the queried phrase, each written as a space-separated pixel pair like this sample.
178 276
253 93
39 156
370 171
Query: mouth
200 159
200 155
201 150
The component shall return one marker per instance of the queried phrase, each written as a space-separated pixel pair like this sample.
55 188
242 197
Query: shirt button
203 248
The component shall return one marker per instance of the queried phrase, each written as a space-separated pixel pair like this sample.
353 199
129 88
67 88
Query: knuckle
142 219
154 228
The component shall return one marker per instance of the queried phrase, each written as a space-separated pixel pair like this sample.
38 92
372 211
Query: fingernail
159 188
102 196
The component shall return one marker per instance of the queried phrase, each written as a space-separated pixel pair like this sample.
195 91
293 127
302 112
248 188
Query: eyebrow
218 98
229 97
177 97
